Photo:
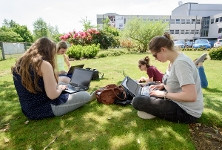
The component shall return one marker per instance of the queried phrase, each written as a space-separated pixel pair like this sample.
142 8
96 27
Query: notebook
80 80
134 88
72 68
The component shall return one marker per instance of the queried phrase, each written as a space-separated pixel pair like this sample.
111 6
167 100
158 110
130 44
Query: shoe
93 96
200 59
145 115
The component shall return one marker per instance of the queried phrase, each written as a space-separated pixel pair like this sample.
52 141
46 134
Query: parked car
179 43
218 43
189 44
202 43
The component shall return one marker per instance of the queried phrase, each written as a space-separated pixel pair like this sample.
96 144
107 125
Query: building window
193 21
182 32
217 20
171 31
192 31
187 32
176 31
198 21
220 19
220 30
99 20
182 21
187 21
197 32
167 20
212 21
172 21
177 21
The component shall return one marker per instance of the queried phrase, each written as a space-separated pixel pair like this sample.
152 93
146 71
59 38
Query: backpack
96 74
109 93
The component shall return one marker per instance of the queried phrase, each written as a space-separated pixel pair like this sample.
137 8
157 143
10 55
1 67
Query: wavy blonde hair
42 49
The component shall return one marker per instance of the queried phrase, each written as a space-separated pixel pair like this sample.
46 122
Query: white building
188 21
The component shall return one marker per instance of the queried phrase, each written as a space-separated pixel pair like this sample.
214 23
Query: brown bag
109 93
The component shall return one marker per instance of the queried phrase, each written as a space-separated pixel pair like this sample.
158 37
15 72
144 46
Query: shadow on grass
98 126
212 107
213 90
93 126
10 106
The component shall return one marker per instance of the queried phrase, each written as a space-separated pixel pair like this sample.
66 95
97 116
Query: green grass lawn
98 126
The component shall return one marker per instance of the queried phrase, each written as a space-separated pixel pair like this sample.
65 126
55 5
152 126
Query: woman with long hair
37 86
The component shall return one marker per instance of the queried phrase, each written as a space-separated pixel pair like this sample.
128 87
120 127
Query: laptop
80 80
72 68
134 88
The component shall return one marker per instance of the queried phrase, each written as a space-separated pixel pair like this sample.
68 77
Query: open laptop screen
131 85
72 68
81 77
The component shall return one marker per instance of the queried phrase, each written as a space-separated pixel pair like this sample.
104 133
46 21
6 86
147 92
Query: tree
142 31
86 24
40 28
10 36
20 30
53 33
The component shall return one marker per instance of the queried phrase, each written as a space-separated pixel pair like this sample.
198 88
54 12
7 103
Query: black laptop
72 68
80 80
134 88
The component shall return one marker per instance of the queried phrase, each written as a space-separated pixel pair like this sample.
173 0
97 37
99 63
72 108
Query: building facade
188 21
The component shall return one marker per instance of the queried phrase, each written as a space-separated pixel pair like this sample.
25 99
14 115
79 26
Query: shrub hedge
79 51
216 53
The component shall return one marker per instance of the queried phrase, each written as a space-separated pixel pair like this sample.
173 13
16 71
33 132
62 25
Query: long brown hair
145 61
60 45
42 49
161 41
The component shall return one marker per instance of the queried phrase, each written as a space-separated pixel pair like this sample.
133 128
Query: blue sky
67 14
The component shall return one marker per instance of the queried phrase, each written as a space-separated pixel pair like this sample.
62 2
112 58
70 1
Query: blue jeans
203 78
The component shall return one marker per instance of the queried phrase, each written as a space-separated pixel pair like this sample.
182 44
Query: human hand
156 87
142 79
157 93
62 87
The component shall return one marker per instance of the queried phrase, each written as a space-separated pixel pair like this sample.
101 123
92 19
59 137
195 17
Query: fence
12 48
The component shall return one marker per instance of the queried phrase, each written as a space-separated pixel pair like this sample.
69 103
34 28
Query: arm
52 90
187 94
66 58
145 80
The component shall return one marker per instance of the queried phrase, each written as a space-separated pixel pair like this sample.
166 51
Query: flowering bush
91 36
127 43
81 37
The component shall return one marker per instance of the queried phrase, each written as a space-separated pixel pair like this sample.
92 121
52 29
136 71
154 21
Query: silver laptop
80 80
134 88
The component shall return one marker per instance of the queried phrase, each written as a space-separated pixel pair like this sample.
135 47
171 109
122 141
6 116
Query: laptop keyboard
77 87
145 91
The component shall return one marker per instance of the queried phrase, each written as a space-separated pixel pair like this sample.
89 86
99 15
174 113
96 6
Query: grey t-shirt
182 72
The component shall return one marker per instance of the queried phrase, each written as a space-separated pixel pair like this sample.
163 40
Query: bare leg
63 79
